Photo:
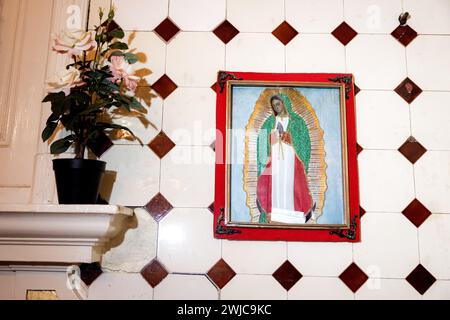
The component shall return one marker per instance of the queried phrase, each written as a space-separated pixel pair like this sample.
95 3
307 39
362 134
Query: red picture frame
223 229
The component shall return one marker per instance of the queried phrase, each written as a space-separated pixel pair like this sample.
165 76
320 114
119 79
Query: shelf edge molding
67 234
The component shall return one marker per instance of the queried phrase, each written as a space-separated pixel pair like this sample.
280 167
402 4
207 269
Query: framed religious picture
286 158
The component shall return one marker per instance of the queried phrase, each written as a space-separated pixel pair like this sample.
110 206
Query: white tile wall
432 177
134 172
197 15
389 248
193 59
430 115
387 289
377 61
186 243
368 16
187 176
186 287
254 257
151 51
315 53
255 52
120 286
190 116
428 63
253 287
440 290
434 250
382 120
429 17
320 288
314 16
385 180
320 259
255 15
143 15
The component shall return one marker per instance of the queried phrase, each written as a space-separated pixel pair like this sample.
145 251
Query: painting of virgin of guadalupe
286 157
288 168
290 159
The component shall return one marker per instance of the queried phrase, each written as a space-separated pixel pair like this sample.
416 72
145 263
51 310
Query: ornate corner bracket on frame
347 80
221 228
350 233
223 77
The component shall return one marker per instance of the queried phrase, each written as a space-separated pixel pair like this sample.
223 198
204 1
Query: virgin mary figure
287 148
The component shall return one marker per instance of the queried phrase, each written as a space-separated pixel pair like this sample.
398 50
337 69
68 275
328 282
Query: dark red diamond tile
408 90
416 212
359 149
158 207
404 34
361 211
90 272
154 273
412 150
344 33
353 277
287 275
221 273
161 145
112 25
226 32
214 87
421 279
285 33
167 29
164 86
211 207
356 89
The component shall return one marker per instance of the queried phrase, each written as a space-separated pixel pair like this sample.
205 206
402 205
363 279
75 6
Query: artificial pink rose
74 42
122 70
64 81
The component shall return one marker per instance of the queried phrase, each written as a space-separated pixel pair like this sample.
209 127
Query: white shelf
59 233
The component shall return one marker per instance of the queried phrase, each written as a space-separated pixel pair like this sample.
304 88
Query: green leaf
58 107
53 117
61 145
80 97
136 105
48 131
131 58
94 75
51 97
109 86
117 54
119 46
117 33
97 106
104 125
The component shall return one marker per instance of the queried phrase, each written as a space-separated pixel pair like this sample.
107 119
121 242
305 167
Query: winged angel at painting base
284 166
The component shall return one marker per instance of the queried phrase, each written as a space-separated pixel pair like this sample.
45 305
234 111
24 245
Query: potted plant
98 81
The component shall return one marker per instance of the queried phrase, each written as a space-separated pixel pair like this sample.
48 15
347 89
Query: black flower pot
78 180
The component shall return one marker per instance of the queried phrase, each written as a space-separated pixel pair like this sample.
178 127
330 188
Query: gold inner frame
343 122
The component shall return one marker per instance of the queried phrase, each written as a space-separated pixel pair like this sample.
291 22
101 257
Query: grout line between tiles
411 133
